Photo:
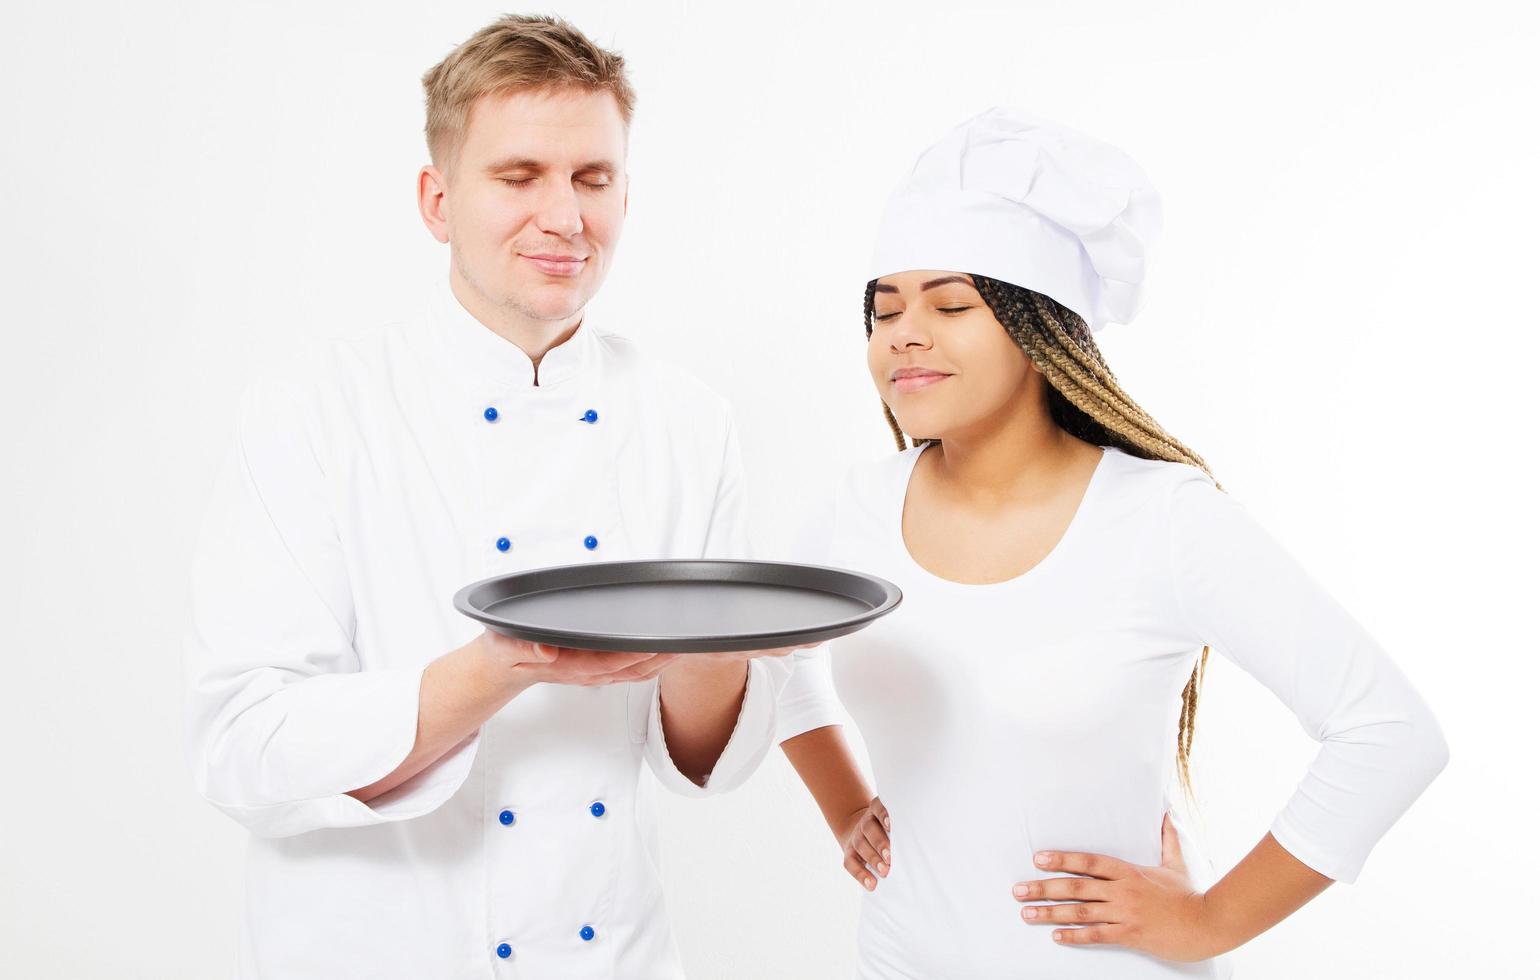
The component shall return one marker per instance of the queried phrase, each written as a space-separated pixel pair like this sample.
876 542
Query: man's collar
481 354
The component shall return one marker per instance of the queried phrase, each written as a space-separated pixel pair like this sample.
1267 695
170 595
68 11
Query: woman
1067 564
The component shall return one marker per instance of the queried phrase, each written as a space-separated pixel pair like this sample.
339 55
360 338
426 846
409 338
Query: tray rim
656 643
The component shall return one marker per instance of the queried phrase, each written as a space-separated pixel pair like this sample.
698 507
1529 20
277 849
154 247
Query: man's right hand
534 663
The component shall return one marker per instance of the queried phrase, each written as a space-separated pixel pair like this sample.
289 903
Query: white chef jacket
1040 713
365 487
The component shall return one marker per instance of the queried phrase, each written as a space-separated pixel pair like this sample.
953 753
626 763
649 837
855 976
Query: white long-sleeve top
1040 713
366 486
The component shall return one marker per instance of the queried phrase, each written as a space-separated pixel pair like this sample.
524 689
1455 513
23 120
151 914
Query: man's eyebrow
529 163
515 163
883 287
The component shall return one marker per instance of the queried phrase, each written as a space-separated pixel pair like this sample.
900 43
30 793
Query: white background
1342 322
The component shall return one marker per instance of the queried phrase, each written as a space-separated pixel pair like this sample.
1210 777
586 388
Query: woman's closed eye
880 317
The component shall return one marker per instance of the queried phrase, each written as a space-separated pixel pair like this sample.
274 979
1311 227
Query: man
427 799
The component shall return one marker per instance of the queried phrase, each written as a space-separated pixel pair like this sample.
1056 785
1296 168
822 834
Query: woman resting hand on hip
1067 564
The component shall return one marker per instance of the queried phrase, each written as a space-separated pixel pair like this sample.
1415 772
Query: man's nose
559 213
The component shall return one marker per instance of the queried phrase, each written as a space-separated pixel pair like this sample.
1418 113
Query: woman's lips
554 266
916 382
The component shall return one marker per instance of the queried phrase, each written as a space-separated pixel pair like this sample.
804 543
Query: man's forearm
701 701
459 691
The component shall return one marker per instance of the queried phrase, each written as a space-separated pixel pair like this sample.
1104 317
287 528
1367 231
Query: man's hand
463 688
721 665
534 663
742 655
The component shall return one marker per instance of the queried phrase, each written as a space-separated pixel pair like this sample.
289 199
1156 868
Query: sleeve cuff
746 747
377 721
1338 867
807 700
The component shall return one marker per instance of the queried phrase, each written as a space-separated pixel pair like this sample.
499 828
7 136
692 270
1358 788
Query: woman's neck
1008 461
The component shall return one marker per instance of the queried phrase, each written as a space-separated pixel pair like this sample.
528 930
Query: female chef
1067 564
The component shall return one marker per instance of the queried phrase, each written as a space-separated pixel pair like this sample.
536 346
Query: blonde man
429 800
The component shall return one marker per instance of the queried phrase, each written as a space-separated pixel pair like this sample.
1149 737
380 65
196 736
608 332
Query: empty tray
679 606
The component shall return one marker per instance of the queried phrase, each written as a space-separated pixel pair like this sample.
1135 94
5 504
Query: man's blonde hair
515 52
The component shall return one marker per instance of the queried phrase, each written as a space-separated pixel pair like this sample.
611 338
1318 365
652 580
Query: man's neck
534 336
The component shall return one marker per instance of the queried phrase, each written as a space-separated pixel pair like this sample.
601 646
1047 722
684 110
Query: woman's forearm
823 759
1266 887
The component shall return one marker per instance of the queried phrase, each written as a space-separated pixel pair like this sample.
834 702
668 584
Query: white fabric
807 699
363 490
1018 198
1041 712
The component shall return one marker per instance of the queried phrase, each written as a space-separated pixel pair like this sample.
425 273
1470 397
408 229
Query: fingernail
1058 937
1020 891
1043 858
882 869
1029 913
870 884
887 824
887 855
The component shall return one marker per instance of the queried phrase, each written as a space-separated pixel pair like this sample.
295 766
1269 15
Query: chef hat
1021 199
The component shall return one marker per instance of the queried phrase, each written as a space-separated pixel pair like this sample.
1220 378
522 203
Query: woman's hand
1155 910
864 837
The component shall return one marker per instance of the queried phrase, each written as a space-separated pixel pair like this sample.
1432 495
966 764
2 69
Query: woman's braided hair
1085 400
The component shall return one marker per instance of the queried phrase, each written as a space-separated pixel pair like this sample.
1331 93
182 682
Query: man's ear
431 193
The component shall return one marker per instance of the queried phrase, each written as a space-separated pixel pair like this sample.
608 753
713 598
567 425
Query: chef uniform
365 487
1040 713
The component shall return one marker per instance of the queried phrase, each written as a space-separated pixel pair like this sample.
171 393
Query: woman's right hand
864 838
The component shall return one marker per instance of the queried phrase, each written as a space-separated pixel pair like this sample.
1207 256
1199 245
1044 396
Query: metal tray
679 606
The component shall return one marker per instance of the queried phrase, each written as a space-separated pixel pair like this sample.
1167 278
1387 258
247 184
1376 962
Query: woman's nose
908 332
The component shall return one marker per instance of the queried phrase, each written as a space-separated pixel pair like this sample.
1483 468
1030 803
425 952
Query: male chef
427 799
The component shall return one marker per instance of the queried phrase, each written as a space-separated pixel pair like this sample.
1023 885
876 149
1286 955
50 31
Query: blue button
587 932
590 542
597 809
490 415
505 818
590 416
503 544
504 950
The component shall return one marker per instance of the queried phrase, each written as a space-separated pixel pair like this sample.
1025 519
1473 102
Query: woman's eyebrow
933 283
883 287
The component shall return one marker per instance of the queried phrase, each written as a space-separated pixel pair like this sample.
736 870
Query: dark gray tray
679 606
